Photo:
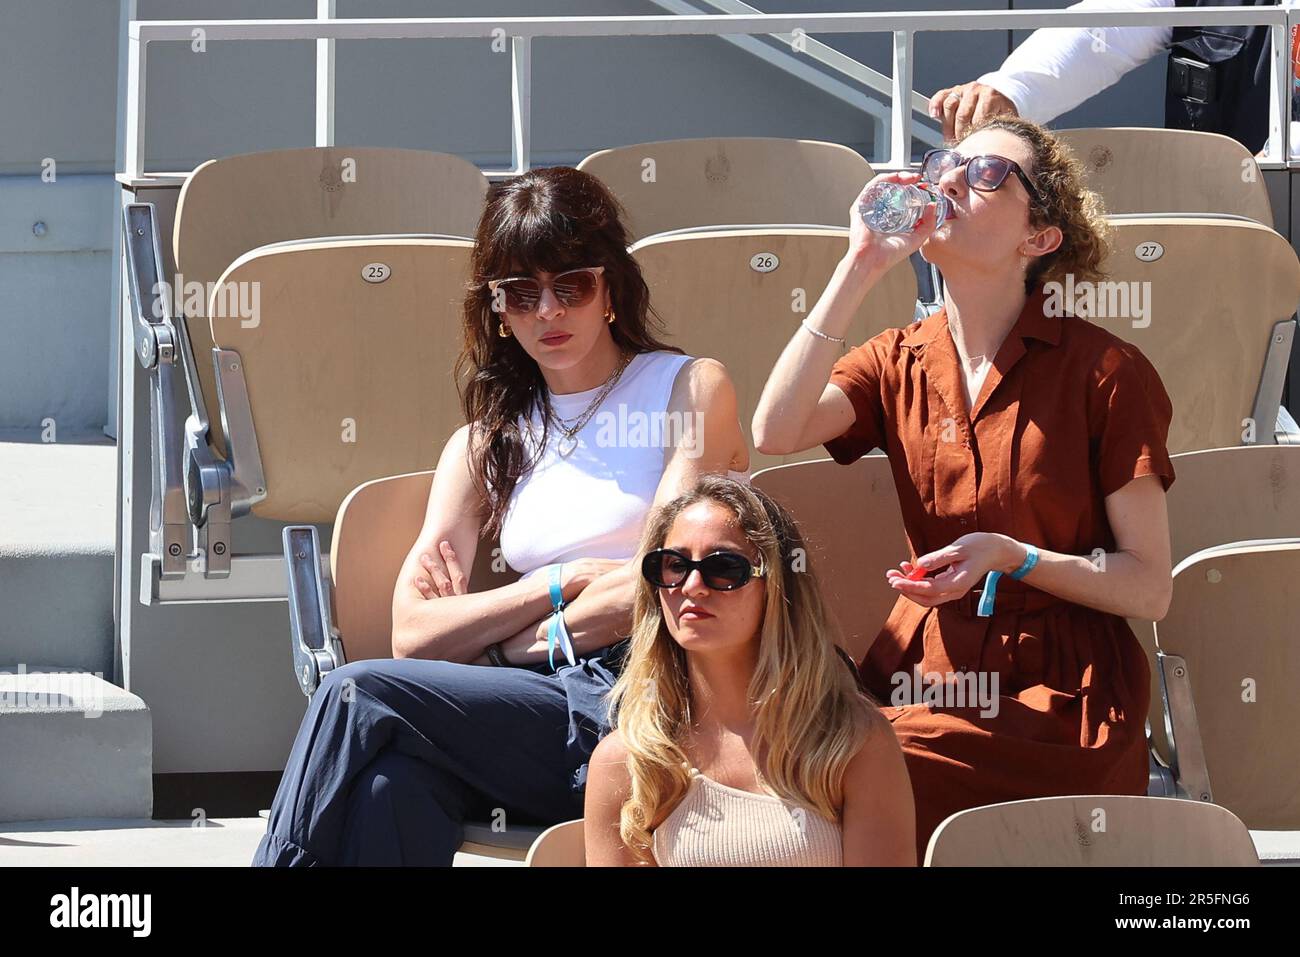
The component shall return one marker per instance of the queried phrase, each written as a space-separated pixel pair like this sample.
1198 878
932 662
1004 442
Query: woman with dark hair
578 421
1029 455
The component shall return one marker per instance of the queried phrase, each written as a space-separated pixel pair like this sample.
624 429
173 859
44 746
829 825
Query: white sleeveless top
593 502
716 825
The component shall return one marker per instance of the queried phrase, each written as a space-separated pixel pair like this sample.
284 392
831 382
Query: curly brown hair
1064 202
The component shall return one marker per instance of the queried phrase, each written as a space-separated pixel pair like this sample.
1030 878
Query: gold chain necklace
569 434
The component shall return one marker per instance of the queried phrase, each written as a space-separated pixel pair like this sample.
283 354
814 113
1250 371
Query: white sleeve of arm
1056 69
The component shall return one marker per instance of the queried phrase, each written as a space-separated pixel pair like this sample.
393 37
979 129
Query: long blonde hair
810 717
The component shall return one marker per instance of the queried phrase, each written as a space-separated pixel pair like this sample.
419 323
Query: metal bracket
194 495
317 648
1181 728
1268 397
929 287
155 339
251 578
243 457
1160 780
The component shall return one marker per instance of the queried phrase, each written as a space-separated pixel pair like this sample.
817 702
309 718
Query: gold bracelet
820 335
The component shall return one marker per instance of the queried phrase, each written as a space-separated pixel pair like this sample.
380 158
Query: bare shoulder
610 750
878 756
456 448
701 383
879 813
609 782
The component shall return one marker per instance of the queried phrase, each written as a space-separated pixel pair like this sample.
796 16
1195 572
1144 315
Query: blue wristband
557 631
991 583
557 596
990 591
1031 559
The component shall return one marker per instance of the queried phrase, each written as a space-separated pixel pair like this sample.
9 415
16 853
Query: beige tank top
720 826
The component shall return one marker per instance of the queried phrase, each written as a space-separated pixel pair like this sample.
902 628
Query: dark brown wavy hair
546 220
1066 203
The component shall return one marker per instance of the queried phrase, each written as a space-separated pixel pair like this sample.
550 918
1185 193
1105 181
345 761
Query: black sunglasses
722 571
983 173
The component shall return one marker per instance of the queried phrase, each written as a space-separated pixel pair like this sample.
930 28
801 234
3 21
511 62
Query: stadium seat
376 526
853 529
341 609
562 845
345 379
1264 502
1142 170
676 184
738 294
1229 667
1098 830
232 205
1216 320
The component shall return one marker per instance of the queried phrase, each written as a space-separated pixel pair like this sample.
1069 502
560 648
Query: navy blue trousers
394 755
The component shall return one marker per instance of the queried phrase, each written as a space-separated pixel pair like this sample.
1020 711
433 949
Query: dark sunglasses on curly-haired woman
983 173
721 571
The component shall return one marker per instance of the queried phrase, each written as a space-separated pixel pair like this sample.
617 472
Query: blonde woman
741 738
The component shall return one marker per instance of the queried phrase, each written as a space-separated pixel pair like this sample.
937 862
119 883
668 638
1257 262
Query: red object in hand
916 574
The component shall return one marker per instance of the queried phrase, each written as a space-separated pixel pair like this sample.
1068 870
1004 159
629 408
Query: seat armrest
317 648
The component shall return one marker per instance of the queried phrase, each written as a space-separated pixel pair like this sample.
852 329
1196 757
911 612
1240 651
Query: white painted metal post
1279 94
126 13
325 10
900 127
521 101
133 151
1288 119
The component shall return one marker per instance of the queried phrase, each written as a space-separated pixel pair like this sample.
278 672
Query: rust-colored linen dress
1068 414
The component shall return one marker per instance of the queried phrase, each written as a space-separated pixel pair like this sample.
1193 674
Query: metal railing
806 55
521 31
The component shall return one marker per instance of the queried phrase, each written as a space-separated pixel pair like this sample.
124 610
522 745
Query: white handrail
521 30
325 79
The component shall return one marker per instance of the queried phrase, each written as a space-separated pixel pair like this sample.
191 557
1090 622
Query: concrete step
1277 847
56 551
228 842
72 745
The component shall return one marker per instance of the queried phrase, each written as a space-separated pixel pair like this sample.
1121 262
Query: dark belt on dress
1011 596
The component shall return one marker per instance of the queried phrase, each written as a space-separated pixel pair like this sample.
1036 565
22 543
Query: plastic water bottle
897 207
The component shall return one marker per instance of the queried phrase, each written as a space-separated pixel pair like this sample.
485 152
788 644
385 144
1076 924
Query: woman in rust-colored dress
1023 442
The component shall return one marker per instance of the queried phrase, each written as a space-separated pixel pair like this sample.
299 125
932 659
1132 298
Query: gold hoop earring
609 316
503 331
